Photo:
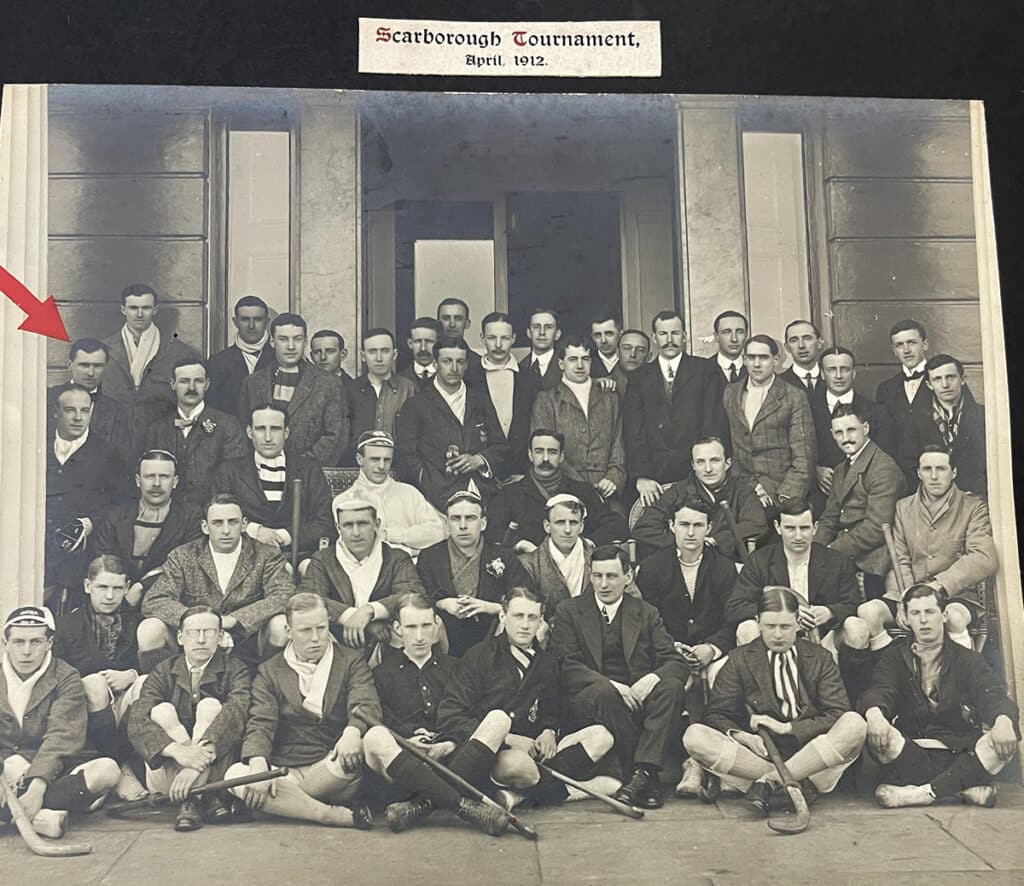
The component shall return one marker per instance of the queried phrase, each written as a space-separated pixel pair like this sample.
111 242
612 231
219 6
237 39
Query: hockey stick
802 817
611 802
39 846
158 801
296 524
741 544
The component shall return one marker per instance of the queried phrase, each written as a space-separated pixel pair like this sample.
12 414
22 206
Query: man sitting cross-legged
927 709
42 727
188 721
308 707
793 689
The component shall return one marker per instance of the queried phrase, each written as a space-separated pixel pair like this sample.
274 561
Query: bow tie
913 375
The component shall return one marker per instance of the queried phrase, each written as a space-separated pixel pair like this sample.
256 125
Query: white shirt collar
853 458
674 363
761 389
64 449
908 372
609 362
724 363
544 359
490 366
271 462
832 400
611 608
801 373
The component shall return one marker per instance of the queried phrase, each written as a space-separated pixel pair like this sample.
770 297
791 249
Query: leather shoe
190 816
216 811
758 796
643 790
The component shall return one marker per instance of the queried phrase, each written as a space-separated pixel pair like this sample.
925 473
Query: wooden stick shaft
35 843
776 757
621 808
741 542
161 800
296 524
890 545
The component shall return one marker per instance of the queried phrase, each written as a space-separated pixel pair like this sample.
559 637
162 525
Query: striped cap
374 438
30 617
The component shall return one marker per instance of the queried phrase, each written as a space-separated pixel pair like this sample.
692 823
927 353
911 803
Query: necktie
670 377
196 674
734 376
809 381
604 615
915 375
424 374
536 368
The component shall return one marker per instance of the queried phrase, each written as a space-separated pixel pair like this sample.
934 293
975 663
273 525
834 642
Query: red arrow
43 316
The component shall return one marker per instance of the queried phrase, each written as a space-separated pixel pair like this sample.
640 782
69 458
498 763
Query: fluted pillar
23 231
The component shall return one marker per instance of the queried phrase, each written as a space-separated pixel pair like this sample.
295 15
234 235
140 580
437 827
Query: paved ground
850 840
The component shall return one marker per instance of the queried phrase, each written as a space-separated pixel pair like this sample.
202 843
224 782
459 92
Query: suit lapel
339 577
206 565
815 568
763 675
630 613
771 403
303 389
43 688
853 471
242 568
333 689
445 409
779 569
126 529
590 627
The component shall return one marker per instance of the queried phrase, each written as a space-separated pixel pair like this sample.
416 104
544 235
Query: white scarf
64 449
363 573
141 355
456 402
20 691
571 565
312 678
251 353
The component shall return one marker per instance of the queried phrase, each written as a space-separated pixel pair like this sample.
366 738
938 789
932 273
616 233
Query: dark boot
488 819
759 795
402 816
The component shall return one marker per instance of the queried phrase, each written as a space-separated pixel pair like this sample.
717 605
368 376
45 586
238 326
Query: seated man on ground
247 582
407 520
189 719
468 576
791 688
938 718
312 704
620 668
43 716
360 577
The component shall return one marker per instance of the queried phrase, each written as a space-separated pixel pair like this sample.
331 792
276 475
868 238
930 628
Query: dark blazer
968 454
426 427
499 570
970 693
362 409
53 728
227 371
779 451
659 435
522 502
325 577
618 375
214 438
829 454
75 643
552 375
524 392
258 589
796 381
110 422
225 679
154 396
697 620
651 529
281 730
486 679
891 396
240 477
410 696
745 681
576 641
115 534
410 373
831 582
863 497
317 412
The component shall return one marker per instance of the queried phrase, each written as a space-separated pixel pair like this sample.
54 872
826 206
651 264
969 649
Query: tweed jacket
282 731
225 679
691 615
525 389
110 422
831 582
153 397
227 370
325 577
500 570
647 646
863 497
967 455
651 529
115 534
829 453
215 437
317 413
745 681
953 545
240 477
52 730
365 412
257 590
546 578
593 442
75 643
969 694
779 451
425 429
658 434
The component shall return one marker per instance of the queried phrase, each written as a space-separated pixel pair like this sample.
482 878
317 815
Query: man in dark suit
142 533
264 484
467 576
420 365
200 436
140 362
453 320
448 437
672 402
315 402
620 669
510 390
791 688
327 351
824 578
543 331
731 330
803 342
251 351
905 393
955 421
605 332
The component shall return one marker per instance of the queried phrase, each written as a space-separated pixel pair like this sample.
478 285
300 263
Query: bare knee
164 714
875 614
958 617
515 768
856 633
701 741
101 775
597 741
496 725
152 634
850 730
237 770
746 632
207 709
276 632
97 693
379 748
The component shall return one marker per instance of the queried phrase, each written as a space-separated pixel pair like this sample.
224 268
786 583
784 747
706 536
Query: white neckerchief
251 353
225 564
581 391
64 449
193 417
725 364
543 359
833 401
571 565
313 678
609 362
665 363
362 574
501 387
19 691
140 355
611 608
456 402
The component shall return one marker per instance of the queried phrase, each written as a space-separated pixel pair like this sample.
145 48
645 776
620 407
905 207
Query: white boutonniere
209 425
496 567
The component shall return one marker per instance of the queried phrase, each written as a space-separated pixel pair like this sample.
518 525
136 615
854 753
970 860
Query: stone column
23 232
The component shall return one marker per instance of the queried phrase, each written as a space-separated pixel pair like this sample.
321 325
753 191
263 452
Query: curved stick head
801 818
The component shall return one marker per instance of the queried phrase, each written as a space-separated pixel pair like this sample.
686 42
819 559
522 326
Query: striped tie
785 681
523 658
